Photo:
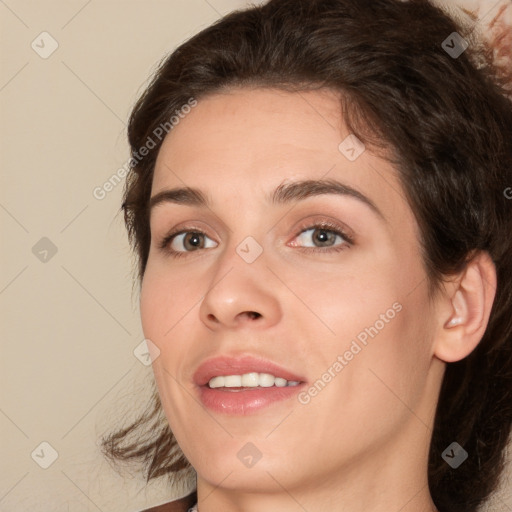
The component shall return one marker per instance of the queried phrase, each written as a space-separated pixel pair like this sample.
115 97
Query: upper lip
238 365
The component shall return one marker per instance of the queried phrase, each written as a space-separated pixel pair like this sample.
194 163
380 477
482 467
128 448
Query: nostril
253 314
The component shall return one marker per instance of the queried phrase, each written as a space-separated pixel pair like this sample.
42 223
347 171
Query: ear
464 309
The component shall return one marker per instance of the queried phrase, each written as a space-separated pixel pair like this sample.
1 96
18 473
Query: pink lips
241 401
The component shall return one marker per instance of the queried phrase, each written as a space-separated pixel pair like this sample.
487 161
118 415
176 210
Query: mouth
244 385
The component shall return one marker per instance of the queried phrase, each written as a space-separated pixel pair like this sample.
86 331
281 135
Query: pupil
323 236
194 239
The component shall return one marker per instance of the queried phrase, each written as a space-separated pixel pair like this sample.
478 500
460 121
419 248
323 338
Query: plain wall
69 321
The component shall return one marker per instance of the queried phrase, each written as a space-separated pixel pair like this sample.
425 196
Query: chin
238 465
243 480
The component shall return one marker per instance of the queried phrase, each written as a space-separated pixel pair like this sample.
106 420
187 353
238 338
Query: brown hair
449 123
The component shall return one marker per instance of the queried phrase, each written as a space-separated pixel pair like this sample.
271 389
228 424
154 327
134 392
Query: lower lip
245 401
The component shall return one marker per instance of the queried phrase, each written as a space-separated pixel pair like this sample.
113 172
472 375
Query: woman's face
321 284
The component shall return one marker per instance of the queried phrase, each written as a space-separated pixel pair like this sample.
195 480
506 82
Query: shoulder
181 505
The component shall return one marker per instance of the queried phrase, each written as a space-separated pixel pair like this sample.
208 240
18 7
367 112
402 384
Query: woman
320 205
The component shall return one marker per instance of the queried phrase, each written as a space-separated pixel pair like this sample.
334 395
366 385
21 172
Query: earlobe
466 308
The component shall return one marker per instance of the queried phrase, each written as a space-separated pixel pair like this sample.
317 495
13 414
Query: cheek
169 303
165 298
387 354
376 316
372 389
354 295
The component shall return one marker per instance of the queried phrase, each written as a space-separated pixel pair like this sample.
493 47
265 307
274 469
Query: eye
177 244
325 234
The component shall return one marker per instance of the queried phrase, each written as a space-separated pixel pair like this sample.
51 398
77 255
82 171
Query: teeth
250 380
267 380
216 382
232 381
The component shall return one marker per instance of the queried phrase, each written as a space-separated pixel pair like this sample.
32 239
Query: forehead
251 126
248 140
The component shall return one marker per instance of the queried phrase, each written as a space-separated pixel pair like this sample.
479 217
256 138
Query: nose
241 295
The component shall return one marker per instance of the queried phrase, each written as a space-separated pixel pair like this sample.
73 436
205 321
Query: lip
243 401
238 366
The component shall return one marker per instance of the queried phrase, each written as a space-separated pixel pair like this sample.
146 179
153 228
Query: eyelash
324 226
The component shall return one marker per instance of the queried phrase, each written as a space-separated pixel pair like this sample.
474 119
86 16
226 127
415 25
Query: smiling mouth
245 384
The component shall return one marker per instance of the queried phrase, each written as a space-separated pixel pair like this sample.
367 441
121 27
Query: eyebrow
285 193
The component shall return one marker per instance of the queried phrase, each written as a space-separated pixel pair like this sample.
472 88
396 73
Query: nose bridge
245 240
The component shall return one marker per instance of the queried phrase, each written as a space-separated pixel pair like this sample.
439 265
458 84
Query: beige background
69 325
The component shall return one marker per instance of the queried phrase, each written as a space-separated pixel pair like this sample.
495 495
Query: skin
360 444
